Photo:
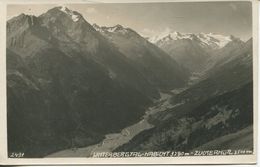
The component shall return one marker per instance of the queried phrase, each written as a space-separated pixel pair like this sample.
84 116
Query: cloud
91 10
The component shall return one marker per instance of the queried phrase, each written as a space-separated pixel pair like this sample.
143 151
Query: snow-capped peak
96 27
64 8
116 28
219 40
212 40
172 36
74 15
177 35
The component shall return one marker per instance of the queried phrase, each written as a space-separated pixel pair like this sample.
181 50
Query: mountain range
69 83
154 64
197 52
66 81
211 40
214 113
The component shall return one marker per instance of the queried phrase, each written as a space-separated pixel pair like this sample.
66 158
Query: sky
151 19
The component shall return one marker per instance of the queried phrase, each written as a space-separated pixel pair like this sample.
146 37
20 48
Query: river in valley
114 140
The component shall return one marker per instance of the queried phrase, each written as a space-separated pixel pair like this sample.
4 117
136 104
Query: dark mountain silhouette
153 63
68 85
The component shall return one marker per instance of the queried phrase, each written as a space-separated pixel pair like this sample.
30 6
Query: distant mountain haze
197 52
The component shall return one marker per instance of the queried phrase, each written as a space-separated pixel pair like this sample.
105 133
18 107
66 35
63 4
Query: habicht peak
75 16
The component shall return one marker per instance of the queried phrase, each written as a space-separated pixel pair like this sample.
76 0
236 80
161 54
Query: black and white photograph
130 80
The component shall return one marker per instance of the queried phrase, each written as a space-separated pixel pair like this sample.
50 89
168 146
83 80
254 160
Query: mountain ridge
211 40
79 79
198 52
156 65
69 83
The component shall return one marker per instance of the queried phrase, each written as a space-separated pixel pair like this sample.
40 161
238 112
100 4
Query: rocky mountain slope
68 84
153 63
197 52
213 110
217 117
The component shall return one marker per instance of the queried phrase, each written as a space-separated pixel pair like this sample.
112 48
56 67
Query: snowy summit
210 39
114 29
74 16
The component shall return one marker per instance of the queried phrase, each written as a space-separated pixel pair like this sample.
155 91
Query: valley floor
114 140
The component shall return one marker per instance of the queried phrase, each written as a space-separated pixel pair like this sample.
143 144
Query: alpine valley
73 88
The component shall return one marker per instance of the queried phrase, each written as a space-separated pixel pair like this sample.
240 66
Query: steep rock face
154 64
67 31
68 83
25 36
77 39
